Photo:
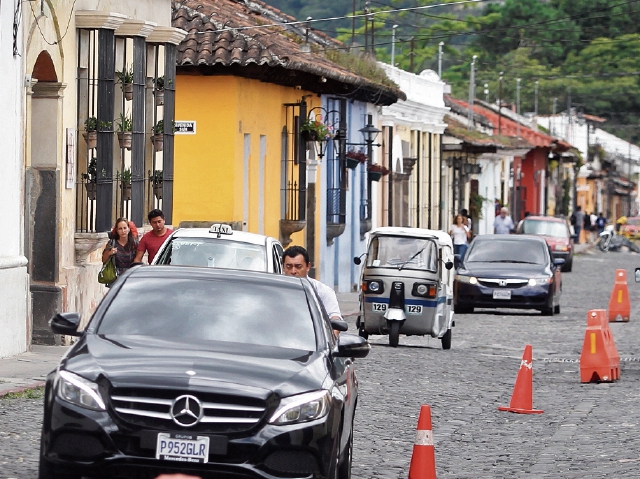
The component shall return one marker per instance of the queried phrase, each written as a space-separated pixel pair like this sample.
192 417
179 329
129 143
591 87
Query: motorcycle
609 240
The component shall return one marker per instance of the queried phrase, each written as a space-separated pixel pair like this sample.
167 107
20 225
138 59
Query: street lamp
369 133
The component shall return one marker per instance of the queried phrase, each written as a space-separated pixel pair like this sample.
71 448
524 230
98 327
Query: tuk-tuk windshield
402 252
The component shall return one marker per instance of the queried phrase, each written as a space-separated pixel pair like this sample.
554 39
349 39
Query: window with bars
125 115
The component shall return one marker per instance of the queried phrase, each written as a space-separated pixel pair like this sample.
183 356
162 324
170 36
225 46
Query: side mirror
65 323
352 346
339 325
558 261
448 264
357 260
637 275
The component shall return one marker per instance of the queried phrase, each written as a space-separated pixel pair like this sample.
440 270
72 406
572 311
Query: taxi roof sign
220 229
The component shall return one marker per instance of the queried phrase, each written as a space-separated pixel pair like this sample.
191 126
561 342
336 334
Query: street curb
22 389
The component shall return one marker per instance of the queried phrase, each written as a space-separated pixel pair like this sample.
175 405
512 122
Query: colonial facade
90 68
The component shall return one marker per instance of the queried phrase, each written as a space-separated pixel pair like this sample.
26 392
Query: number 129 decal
378 307
413 309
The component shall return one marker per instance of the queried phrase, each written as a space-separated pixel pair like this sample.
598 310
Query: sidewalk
28 370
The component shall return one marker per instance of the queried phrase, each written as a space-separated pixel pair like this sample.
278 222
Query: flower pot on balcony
126 192
288 227
124 139
309 135
91 137
159 94
128 91
352 163
158 141
91 188
375 175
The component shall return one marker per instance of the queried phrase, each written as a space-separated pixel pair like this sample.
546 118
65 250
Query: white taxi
221 247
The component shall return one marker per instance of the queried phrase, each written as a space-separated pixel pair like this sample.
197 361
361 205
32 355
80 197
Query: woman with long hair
123 245
460 234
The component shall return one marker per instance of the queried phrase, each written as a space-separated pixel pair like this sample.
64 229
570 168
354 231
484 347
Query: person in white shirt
295 262
503 224
460 234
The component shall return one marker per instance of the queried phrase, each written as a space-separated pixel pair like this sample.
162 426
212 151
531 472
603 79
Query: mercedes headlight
79 391
302 408
540 281
467 279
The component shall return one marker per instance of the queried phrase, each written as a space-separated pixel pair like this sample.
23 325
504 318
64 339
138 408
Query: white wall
13 272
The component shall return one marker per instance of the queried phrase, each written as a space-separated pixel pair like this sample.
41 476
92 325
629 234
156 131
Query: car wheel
567 267
45 471
462 309
446 340
556 310
547 311
394 333
344 470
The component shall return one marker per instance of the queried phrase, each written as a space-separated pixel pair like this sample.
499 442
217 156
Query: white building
14 281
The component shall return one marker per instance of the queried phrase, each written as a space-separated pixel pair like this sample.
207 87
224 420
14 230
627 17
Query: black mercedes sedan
508 271
209 372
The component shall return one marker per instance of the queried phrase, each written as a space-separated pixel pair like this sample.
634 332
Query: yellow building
243 90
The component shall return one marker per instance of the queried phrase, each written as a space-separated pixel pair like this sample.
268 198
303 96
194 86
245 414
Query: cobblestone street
587 430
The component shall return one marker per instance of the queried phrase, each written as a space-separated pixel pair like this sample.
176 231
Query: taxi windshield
214 253
544 228
403 252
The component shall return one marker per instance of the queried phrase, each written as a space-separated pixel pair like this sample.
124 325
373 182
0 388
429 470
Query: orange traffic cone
522 398
619 305
423 459
599 360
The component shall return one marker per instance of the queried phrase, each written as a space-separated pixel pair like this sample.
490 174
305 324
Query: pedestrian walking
587 227
600 223
467 219
577 222
151 241
503 224
460 235
122 245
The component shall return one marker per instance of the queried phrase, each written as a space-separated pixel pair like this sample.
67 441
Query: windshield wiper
402 265
510 261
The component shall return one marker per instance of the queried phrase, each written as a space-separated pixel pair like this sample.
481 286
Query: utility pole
500 104
353 24
486 92
555 104
366 28
535 106
411 62
393 45
440 45
629 185
472 93
518 103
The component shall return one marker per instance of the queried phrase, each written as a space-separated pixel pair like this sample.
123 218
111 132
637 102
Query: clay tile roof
249 36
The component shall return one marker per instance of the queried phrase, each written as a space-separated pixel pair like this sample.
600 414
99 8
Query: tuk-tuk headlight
373 286
427 290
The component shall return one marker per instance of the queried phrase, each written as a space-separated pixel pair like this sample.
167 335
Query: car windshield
545 228
402 252
215 253
633 221
186 310
496 251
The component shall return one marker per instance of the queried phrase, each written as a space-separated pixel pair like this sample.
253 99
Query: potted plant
315 130
125 127
125 78
91 132
355 158
377 171
125 183
156 182
158 134
90 178
158 91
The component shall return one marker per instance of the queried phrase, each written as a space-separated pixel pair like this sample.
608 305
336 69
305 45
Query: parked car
508 271
631 228
556 233
212 372
221 247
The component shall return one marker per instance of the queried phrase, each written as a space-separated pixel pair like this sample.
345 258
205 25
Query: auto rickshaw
407 284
